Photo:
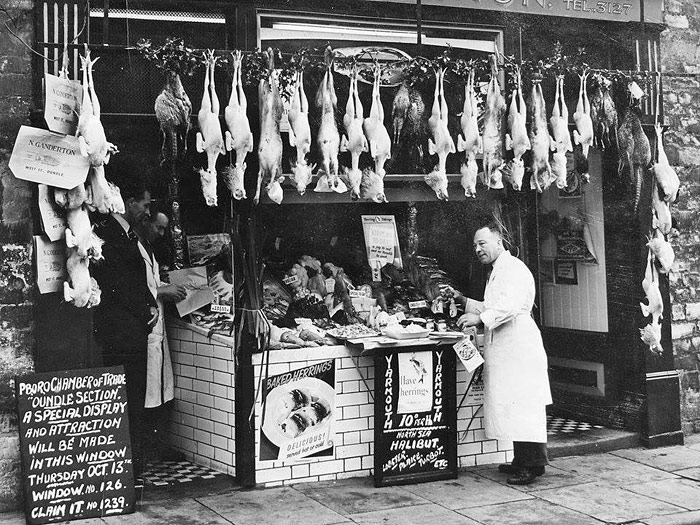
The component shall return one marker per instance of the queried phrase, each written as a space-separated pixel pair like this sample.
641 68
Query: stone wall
680 52
16 275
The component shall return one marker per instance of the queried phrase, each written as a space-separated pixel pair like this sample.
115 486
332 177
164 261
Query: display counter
202 421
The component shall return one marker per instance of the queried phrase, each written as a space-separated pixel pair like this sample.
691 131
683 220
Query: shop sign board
415 421
48 158
62 104
50 264
603 10
74 444
298 414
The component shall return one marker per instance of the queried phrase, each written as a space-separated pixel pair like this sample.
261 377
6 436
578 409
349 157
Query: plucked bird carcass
377 135
661 210
651 336
539 138
238 136
354 139
664 174
517 138
300 134
81 290
494 128
102 196
634 150
209 137
270 146
561 140
583 134
662 250
328 138
440 142
173 110
372 186
650 285
603 113
469 141
80 236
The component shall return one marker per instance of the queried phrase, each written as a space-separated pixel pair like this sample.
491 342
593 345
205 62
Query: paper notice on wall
48 158
62 104
382 242
198 292
53 220
50 264
415 382
468 354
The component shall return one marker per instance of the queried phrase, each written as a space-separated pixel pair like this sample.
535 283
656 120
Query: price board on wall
74 445
415 420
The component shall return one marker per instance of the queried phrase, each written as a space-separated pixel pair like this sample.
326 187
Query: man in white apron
160 388
515 368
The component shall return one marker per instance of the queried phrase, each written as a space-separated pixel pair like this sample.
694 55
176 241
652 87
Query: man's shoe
523 477
508 468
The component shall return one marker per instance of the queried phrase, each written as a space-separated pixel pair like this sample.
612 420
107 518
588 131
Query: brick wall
16 275
680 54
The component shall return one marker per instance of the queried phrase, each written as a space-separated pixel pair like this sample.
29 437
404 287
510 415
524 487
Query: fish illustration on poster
298 414
415 382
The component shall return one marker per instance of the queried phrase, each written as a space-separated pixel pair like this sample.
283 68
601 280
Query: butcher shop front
323 193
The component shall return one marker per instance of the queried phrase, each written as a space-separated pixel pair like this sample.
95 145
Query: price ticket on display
50 264
48 158
52 218
62 104
468 354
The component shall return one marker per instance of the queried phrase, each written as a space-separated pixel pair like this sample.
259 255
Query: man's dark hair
493 226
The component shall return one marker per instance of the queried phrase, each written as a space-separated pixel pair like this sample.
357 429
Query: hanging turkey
377 135
238 136
209 137
469 141
270 146
583 134
328 138
539 138
561 140
517 138
494 127
300 133
354 139
440 141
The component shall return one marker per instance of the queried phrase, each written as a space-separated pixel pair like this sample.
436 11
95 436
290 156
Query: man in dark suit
128 310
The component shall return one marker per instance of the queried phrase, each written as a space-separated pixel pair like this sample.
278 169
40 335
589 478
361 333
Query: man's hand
154 317
172 292
469 319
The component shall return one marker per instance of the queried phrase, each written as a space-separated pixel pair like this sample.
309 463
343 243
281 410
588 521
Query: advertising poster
48 158
198 292
382 242
50 264
415 382
62 106
298 414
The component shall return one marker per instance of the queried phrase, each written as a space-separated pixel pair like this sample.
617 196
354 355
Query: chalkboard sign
74 443
415 421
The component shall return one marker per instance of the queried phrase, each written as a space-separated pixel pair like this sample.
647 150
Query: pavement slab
607 503
277 506
682 492
418 515
690 473
184 512
357 495
687 518
530 512
666 458
607 467
469 490
553 478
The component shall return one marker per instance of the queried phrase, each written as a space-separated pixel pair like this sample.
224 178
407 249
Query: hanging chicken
328 138
270 146
664 174
372 186
238 136
300 133
661 211
469 141
209 137
662 251
354 139
634 150
517 140
603 113
492 136
81 290
173 110
378 138
561 140
650 285
583 134
80 236
440 141
539 139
